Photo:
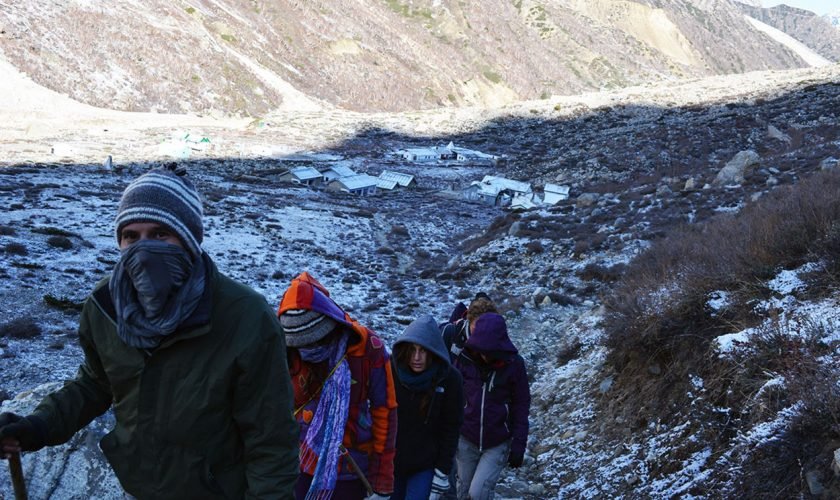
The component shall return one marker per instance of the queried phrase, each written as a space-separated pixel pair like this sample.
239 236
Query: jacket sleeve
452 415
520 407
82 399
263 410
383 410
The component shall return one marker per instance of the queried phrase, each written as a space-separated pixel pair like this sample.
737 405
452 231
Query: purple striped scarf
326 431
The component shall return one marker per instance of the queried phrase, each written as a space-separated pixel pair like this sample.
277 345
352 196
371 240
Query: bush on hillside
802 387
661 298
659 320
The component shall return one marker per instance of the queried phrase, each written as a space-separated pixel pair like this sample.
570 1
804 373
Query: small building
447 153
523 202
471 156
497 191
399 178
502 184
386 184
437 153
307 176
554 193
360 184
420 154
336 172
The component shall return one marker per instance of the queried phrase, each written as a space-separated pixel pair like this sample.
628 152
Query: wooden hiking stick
16 470
356 469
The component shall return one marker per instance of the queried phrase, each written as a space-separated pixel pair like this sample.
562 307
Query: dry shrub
399 230
657 315
778 464
53 231
15 248
62 242
663 292
499 225
534 247
602 273
21 328
589 242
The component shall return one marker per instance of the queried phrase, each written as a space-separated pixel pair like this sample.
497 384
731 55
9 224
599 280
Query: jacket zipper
484 389
102 310
481 419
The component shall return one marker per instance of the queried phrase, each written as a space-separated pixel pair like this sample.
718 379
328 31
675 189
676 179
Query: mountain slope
805 26
251 57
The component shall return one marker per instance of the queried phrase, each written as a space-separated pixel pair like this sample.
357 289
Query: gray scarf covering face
155 287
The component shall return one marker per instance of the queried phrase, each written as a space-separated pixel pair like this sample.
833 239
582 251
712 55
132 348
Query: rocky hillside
803 25
250 57
639 162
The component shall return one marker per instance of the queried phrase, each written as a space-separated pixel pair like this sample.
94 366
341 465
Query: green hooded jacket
208 414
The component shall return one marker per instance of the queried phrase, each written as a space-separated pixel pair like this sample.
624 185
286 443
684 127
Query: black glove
29 431
515 459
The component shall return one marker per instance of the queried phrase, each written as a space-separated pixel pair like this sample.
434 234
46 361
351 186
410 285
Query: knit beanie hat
165 196
303 326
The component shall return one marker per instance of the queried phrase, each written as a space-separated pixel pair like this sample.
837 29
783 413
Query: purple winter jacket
497 395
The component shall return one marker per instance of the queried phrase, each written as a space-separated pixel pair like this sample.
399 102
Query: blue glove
440 484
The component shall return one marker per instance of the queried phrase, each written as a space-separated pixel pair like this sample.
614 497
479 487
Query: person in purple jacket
498 399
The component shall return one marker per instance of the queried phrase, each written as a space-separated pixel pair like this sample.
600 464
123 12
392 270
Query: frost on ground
392 257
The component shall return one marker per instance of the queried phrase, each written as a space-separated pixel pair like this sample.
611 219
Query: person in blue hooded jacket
429 413
498 400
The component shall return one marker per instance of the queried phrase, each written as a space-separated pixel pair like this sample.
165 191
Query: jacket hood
305 292
424 332
490 335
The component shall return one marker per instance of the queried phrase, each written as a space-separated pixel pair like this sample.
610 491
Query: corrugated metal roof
492 183
557 189
386 184
305 173
420 151
522 201
554 193
398 177
359 181
342 170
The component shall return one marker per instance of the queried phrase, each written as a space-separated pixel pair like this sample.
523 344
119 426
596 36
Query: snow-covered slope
809 56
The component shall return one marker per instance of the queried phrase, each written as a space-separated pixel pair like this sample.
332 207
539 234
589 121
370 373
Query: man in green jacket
193 363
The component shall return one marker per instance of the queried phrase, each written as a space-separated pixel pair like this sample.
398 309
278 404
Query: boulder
664 190
775 133
586 200
76 469
738 167
829 163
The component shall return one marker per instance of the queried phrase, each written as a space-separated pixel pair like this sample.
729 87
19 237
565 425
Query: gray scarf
155 287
